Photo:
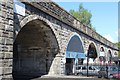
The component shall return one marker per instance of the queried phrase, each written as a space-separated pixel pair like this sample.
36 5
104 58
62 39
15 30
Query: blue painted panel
70 54
75 45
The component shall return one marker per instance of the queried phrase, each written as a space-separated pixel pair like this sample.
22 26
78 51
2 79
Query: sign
19 7
70 54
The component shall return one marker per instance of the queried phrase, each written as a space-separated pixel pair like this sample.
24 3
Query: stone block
7 62
1 33
2 40
7 70
6 21
8 55
1 26
9 41
10 16
3 14
1 62
4 34
10 48
10 34
10 4
2 20
11 22
1 55
8 28
5 48
7 77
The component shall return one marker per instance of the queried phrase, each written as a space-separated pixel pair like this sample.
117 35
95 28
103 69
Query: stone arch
34 17
70 37
102 49
109 56
102 55
92 51
115 54
35 49
74 53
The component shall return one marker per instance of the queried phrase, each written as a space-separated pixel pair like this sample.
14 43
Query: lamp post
118 67
106 63
87 63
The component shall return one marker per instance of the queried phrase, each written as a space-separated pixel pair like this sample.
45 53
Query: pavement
56 77
64 76
70 77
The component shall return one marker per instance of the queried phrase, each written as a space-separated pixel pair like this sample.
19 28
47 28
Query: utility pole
87 62
118 67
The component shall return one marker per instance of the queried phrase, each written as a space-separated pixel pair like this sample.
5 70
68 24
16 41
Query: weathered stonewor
35 42
6 38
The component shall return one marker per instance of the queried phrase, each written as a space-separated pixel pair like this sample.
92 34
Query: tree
118 44
83 15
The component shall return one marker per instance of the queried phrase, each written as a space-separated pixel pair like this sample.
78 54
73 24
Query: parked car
116 75
97 67
82 70
107 71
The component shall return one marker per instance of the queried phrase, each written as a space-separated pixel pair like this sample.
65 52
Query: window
79 68
84 68
114 68
90 68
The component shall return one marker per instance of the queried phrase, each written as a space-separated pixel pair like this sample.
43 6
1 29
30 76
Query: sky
104 16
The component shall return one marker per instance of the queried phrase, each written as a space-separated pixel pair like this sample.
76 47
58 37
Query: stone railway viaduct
35 38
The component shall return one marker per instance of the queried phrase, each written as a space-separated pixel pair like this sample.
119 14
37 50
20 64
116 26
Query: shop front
73 59
74 54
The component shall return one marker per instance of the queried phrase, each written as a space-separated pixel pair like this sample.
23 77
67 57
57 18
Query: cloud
108 37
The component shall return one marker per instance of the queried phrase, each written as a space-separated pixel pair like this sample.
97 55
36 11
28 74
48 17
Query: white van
82 70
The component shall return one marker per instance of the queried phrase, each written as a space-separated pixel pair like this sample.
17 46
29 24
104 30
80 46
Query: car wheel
81 74
111 76
99 76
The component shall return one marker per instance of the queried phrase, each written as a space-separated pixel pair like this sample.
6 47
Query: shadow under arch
109 56
74 53
34 50
92 52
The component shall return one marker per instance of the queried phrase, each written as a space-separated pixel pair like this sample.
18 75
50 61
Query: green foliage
118 44
119 53
83 15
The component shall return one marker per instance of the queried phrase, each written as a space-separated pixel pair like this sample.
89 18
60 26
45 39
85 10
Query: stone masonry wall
62 31
9 30
6 38
56 11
